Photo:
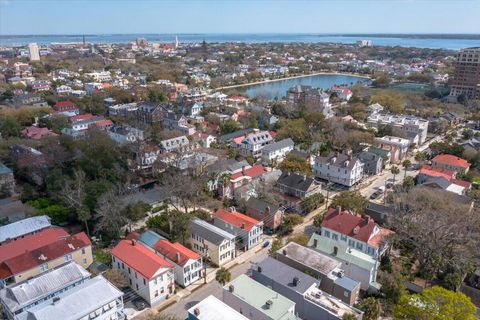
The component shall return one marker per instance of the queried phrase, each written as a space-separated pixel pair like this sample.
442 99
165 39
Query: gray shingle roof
341 160
278 145
295 181
210 232
261 205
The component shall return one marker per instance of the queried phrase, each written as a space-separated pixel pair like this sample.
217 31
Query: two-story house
397 147
451 162
126 134
36 253
270 214
252 144
149 275
343 169
174 144
212 242
247 230
275 152
357 241
187 263
295 187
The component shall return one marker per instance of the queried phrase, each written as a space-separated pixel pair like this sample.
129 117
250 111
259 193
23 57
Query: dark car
375 195
139 303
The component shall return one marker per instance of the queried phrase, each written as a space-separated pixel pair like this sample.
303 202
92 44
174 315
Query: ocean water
419 41
279 89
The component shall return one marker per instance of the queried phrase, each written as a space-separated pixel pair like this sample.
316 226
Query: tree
294 163
441 232
229 126
349 316
74 195
435 303
223 276
350 200
408 183
109 220
371 308
136 211
312 202
394 170
116 277
301 239
317 220
180 225
10 127
277 244
406 164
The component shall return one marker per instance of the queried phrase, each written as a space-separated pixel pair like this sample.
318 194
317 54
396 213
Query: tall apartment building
466 79
313 99
34 52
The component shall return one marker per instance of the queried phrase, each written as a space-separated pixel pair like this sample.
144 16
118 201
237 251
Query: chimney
242 226
356 230
231 288
339 209
243 170
304 177
196 311
259 269
133 242
268 304
295 281
55 300
178 256
267 210
284 252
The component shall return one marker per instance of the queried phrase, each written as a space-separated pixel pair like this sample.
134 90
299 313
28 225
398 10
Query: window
327 233
128 270
144 282
343 238
345 293
155 281
351 243
136 276
156 293
83 251
335 236
359 246
68 257
136 285
44 267
84 261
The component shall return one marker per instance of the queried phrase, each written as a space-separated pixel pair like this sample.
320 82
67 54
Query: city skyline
262 17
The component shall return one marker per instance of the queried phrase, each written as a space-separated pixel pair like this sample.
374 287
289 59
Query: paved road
213 288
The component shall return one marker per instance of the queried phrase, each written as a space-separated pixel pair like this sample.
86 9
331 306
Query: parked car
139 303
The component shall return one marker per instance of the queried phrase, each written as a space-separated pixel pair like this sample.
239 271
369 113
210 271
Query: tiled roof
354 226
175 252
64 104
436 172
452 160
236 218
140 258
81 117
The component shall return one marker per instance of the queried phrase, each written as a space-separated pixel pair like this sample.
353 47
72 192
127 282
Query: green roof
256 295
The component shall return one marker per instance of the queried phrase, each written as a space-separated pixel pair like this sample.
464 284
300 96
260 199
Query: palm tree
223 276
225 180
406 164
394 170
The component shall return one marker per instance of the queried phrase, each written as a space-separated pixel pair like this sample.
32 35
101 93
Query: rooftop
175 252
78 302
236 218
22 227
140 258
210 232
452 160
257 295
279 145
212 308
310 258
332 304
21 295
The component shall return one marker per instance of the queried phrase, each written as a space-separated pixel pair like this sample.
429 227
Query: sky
22 17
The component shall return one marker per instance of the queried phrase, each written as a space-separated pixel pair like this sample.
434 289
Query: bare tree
108 213
73 193
442 232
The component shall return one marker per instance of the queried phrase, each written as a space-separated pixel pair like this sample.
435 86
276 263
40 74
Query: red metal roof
236 218
64 104
28 258
437 172
104 123
31 242
140 258
452 160
170 251
252 172
353 225
81 117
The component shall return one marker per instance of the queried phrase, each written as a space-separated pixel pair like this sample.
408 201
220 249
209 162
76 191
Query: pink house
36 133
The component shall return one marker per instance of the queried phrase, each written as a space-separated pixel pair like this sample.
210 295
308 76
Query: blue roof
4 169
150 238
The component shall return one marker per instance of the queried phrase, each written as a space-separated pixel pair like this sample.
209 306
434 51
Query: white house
174 144
253 143
276 152
63 90
187 264
339 168
149 275
126 134
355 240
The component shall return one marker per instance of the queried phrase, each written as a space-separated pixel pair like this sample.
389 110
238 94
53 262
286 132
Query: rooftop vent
268 304
296 281
259 269
231 288
196 311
